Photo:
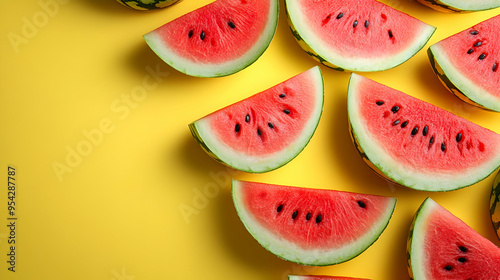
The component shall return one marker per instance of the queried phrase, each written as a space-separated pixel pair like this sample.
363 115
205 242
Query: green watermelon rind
495 204
144 6
289 252
203 134
460 6
327 56
391 169
459 84
207 70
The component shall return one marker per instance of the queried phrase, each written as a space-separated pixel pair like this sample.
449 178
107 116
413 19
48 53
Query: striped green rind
495 204
460 6
146 5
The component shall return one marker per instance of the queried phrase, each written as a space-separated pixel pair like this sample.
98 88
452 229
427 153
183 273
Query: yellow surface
111 185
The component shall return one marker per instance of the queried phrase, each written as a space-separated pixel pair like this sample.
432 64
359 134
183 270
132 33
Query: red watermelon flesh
418 144
442 246
320 277
311 226
468 63
266 130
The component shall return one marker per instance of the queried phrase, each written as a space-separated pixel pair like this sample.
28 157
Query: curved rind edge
495 204
287 251
460 6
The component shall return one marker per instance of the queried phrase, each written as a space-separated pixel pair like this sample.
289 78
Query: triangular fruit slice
495 204
415 143
468 63
450 6
356 35
311 226
320 277
441 246
218 39
267 130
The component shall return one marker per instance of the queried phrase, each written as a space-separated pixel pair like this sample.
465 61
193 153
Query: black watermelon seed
231 24
482 56
443 147
470 51
318 219
270 125
295 214
247 118
355 23
425 130
495 67
280 207
202 35
459 137
286 111
191 33
390 34
477 44
380 103
259 132
432 140
463 249
414 131
404 124
395 109
282 95
462 259
308 216
339 16
367 23
396 122
474 32
361 204
237 128
448 267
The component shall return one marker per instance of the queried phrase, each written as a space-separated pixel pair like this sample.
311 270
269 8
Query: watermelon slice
267 130
417 144
441 246
450 6
218 39
356 35
320 277
495 204
468 63
311 226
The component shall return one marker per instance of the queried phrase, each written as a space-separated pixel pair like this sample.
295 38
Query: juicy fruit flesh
269 121
314 219
217 32
475 52
450 249
413 134
359 28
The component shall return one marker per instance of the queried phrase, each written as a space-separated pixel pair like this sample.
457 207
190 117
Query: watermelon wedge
356 35
320 277
218 39
311 226
441 246
495 204
450 6
468 63
417 144
267 130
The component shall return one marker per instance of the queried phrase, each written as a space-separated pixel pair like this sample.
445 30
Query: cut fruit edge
202 132
197 69
293 253
460 6
324 54
392 169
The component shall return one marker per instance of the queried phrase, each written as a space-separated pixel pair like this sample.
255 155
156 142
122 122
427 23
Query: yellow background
76 78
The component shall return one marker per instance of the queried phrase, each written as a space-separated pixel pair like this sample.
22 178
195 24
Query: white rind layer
291 252
470 5
198 69
258 164
403 174
359 64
